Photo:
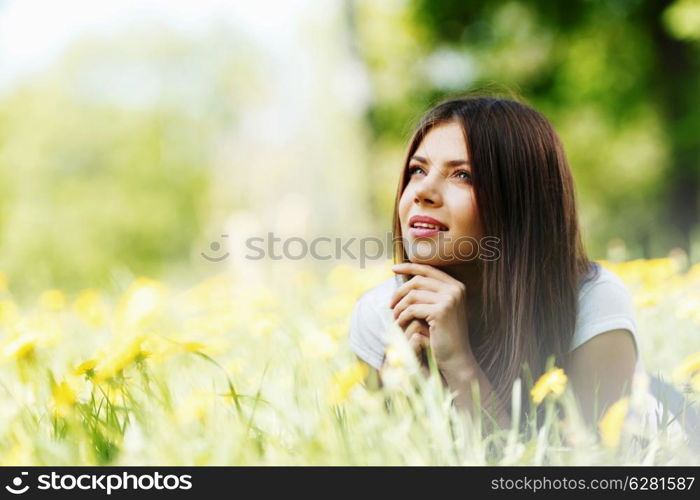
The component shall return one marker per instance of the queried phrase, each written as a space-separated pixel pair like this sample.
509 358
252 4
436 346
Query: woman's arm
602 366
601 371
460 374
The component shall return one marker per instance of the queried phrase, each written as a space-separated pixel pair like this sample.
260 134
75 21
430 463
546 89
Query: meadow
229 373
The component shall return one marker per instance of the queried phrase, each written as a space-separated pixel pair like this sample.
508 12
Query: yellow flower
52 300
89 307
552 382
159 348
688 367
118 356
21 347
211 346
344 381
28 333
63 398
611 424
85 367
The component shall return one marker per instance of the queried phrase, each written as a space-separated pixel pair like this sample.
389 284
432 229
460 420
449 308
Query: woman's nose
428 189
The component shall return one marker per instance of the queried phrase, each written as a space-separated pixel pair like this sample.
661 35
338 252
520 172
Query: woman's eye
467 175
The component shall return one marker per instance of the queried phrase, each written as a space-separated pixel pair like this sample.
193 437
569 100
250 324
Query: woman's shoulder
371 317
604 303
373 305
378 296
601 279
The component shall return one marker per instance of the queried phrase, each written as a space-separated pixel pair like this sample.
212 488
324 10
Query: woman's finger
418 342
418 326
415 283
414 311
422 270
416 297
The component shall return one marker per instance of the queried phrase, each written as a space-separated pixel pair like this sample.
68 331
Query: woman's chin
428 261
426 252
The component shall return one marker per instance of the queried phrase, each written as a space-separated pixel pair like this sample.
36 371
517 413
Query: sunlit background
136 136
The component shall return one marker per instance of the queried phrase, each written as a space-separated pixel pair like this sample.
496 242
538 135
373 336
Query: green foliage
618 80
88 187
106 157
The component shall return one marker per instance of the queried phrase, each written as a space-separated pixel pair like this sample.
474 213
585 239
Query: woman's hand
440 300
418 335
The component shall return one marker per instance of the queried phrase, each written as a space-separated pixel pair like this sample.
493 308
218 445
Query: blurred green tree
105 158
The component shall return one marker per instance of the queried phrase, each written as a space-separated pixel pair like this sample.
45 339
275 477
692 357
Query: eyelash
412 169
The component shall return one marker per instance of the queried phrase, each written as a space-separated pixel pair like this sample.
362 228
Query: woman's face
439 186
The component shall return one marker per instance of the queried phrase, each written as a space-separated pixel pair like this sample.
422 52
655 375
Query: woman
492 273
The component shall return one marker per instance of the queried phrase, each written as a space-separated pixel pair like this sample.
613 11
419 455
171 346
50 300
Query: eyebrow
449 163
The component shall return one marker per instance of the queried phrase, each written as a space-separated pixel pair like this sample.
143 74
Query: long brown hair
525 196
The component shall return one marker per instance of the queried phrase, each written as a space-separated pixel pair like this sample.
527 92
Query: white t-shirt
604 304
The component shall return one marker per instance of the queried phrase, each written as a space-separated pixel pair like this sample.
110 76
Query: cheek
468 220
404 202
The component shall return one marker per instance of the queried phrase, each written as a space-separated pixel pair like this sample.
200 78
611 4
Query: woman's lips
420 232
